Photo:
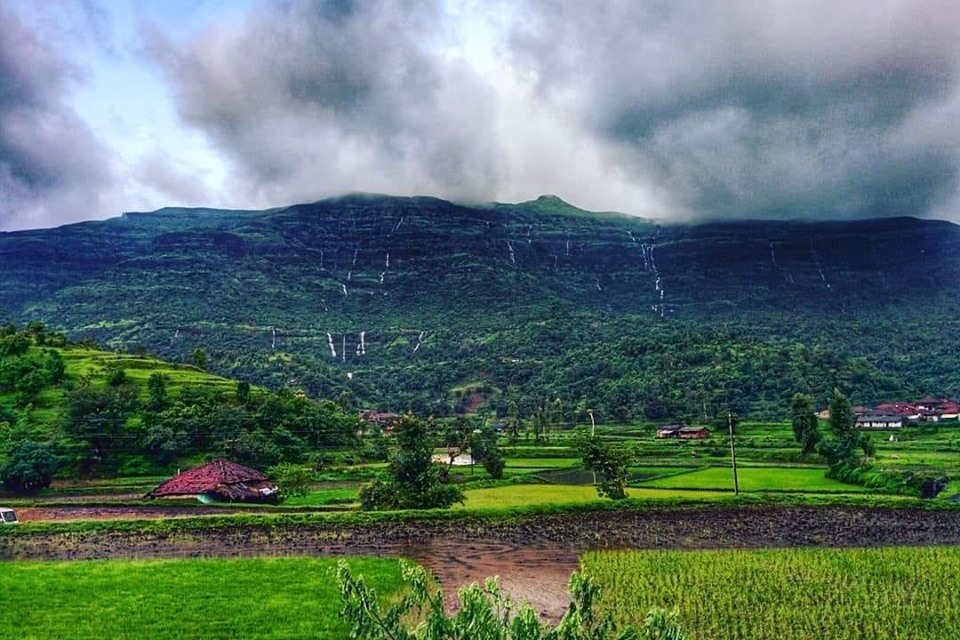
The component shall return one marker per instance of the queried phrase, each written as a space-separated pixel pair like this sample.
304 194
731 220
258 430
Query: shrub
30 467
485 612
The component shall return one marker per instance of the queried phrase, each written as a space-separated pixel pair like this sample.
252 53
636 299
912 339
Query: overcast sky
672 109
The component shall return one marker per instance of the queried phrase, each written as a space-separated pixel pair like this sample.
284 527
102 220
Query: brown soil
533 556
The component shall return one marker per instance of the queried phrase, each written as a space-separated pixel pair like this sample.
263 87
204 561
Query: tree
55 366
842 448
243 392
294 480
199 359
805 425
116 376
843 424
485 612
414 480
513 422
30 467
610 462
484 449
96 417
157 399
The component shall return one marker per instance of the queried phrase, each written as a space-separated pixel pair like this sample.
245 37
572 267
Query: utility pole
733 454
593 434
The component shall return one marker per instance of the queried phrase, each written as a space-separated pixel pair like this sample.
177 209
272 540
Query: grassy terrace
755 479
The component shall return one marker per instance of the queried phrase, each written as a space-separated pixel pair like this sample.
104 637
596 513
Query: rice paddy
789 594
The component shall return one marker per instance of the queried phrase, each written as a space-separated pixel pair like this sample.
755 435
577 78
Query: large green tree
806 429
96 419
611 462
413 480
29 467
846 445
484 449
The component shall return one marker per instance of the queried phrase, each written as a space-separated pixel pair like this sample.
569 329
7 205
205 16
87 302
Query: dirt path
533 556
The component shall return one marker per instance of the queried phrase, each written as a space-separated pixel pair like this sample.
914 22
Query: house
682 432
879 422
669 431
693 433
219 481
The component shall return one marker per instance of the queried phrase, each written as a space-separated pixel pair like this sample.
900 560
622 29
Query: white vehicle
7 516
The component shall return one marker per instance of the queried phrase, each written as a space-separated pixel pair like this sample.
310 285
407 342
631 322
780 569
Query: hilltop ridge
417 297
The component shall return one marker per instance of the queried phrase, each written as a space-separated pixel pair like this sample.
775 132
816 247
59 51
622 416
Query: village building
384 420
669 431
682 432
693 433
219 481
879 422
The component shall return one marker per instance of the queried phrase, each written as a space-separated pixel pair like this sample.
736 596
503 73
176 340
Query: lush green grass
542 463
323 497
755 479
157 599
789 593
90 362
542 494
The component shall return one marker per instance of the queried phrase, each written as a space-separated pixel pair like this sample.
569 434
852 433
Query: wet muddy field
534 556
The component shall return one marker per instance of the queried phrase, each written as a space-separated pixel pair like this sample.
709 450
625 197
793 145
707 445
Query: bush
293 480
485 612
30 467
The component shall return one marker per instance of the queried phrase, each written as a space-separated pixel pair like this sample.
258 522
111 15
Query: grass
522 495
324 497
755 479
542 463
83 362
198 598
789 594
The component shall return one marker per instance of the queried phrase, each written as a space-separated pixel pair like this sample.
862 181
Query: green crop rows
790 594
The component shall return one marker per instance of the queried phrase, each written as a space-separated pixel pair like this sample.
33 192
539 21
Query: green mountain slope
408 302
105 412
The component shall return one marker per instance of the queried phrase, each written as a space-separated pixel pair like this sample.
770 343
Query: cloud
172 179
760 108
52 167
308 99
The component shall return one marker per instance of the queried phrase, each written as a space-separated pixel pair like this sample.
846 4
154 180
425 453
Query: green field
324 497
755 479
543 494
795 594
158 599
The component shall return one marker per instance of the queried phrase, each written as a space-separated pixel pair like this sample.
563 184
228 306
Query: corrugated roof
207 478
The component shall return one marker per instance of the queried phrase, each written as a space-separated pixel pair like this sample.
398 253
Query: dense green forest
420 304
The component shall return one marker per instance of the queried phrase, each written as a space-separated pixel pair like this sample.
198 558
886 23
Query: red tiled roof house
219 481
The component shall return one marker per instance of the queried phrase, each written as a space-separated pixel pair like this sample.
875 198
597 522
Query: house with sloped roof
219 481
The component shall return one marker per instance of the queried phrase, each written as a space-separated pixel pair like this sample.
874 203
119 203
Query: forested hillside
105 413
418 303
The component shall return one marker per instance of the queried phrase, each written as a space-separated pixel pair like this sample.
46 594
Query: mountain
422 303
